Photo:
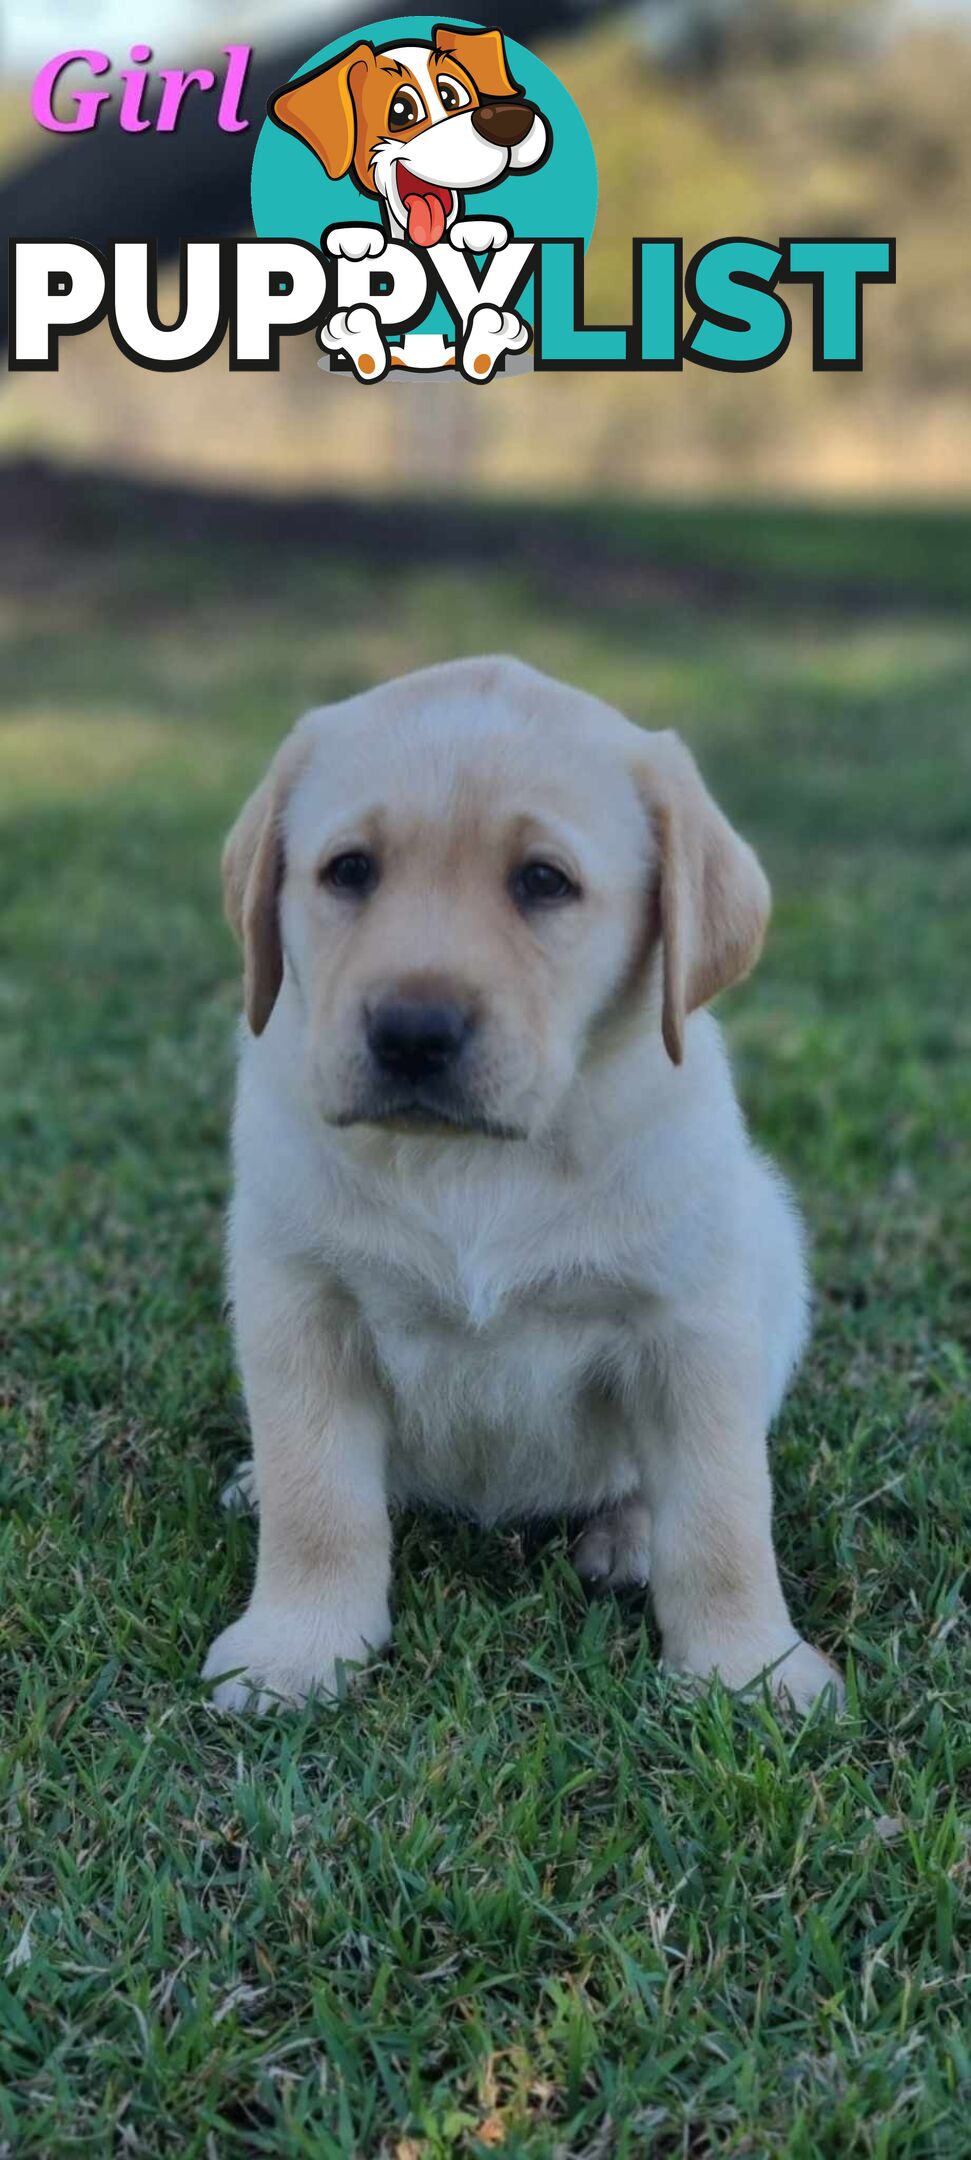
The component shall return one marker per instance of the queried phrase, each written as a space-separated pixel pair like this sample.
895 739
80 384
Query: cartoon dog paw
491 333
480 236
355 242
356 331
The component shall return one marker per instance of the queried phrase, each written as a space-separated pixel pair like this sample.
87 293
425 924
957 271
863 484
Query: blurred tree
702 37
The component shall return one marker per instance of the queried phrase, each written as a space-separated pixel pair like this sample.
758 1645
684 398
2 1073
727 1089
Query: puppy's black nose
413 1040
506 124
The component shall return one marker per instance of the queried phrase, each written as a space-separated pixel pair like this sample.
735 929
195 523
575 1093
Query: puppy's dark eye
354 872
454 95
405 110
541 882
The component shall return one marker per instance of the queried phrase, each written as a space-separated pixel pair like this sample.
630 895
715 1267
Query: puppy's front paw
278 1656
355 242
480 236
797 1674
804 1675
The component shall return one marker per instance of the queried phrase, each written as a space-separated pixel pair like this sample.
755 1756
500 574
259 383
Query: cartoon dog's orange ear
482 53
322 108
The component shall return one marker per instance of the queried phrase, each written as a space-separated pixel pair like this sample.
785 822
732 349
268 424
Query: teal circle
293 199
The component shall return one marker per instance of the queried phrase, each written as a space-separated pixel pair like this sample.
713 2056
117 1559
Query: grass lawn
525 1893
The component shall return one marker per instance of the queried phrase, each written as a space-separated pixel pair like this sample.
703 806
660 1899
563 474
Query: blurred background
708 117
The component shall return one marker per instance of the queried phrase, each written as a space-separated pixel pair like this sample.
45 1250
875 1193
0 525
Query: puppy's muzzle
505 124
414 1040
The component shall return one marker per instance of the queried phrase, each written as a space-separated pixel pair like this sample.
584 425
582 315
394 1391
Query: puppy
417 126
499 1242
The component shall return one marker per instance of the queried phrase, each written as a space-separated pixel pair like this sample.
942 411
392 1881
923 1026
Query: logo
424 193
426 160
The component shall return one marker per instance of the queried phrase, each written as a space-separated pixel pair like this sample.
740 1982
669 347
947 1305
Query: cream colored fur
592 1302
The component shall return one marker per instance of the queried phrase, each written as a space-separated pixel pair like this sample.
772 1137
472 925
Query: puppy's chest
505 1386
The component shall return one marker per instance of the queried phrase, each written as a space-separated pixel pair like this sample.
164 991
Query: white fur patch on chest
503 1405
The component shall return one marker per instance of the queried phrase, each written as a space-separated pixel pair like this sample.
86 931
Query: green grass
525 1893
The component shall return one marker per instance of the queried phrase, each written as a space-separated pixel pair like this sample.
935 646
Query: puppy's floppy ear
712 895
322 108
482 53
252 866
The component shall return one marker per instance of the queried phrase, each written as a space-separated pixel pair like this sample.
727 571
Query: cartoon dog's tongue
426 208
426 220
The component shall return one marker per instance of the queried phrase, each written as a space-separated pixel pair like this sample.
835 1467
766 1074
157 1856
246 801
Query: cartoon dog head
418 125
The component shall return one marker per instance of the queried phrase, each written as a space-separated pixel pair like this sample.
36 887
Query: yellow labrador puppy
500 1242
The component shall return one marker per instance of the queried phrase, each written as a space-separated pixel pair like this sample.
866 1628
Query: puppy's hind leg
239 1495
613 1552
357 332
491 332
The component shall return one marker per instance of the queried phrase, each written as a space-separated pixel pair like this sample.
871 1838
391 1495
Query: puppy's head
417 124
475 882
